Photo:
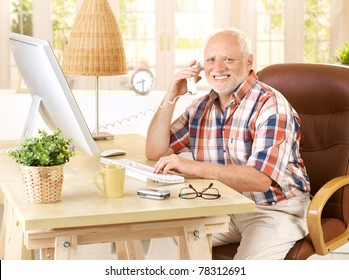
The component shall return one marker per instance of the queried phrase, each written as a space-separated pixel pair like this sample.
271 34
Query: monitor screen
50 92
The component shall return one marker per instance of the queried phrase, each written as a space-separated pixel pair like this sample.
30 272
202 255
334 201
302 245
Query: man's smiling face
226 65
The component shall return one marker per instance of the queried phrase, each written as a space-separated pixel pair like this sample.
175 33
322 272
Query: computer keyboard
144 172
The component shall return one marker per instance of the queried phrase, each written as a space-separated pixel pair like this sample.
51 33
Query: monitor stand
28 130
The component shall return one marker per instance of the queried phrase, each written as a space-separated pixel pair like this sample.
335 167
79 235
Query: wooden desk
85 216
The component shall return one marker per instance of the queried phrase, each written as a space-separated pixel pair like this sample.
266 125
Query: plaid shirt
259 128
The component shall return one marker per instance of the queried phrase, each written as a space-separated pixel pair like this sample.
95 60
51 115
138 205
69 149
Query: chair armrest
314 217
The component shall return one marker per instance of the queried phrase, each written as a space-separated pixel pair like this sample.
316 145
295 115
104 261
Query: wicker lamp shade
95 46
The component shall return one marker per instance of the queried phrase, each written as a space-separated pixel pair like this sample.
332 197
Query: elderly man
244 134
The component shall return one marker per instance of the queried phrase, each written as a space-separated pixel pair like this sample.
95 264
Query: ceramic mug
112 178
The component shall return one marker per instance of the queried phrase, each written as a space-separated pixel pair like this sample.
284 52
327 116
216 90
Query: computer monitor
51 94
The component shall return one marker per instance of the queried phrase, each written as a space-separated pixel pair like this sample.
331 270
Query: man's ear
250 60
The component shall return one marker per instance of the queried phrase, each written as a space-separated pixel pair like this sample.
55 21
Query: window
21 16
62 18
271 31
163 35
317 30
193 21
136 20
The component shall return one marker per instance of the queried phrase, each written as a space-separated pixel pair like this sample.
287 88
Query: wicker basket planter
42 158
43 184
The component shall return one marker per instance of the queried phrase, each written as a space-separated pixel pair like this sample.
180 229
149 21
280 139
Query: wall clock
142 81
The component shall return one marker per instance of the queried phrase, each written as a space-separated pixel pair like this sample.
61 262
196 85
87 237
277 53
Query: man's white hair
242 39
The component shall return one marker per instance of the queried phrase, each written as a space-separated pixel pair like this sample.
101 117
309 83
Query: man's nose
219 65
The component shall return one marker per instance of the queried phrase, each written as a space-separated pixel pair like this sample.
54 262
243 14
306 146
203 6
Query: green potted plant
42 160
342 54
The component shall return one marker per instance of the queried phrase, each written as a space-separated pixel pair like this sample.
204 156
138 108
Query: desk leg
135 250
121 251
3 232
196 244
183 248
65 247
12 237
47 254
129 250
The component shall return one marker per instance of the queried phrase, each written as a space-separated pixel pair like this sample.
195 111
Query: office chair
320 95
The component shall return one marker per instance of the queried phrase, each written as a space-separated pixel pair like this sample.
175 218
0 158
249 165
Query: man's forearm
158 136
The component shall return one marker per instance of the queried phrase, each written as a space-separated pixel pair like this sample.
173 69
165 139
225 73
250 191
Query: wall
129 112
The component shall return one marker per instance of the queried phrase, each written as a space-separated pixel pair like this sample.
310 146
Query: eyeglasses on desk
207 193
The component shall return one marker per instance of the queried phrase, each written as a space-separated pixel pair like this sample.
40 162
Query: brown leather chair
320 94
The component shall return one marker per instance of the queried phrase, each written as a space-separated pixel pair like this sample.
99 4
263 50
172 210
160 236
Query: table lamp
95 48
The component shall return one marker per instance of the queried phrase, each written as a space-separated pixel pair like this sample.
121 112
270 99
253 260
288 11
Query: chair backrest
320 95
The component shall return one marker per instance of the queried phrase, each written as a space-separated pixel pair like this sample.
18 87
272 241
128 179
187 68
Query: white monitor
51 94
